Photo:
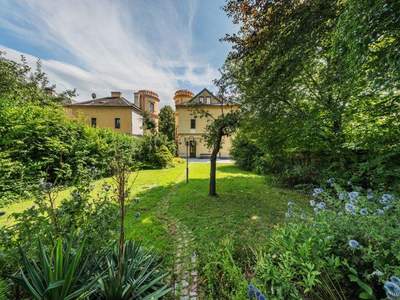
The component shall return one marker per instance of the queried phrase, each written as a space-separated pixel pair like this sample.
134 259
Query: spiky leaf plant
141 276
56 274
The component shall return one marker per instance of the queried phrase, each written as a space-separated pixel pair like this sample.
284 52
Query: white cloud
110 45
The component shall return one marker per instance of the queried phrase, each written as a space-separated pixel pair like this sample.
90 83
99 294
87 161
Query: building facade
116 112
190 127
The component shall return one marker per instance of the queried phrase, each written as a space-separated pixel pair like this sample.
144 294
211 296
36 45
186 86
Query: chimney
115 94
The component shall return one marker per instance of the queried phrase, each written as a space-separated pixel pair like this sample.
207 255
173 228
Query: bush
245 152
91 217
346 249
155 151
40 142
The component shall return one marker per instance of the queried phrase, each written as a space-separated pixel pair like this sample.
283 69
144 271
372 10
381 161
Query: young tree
223 125
167 122
122 166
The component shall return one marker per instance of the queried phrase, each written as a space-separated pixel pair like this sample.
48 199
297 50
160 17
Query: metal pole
187 162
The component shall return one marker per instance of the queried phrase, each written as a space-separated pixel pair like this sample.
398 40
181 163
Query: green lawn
246 209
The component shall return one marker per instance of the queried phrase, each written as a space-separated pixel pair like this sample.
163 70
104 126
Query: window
151 107
192 123
201 99
93 122
117 123
208 101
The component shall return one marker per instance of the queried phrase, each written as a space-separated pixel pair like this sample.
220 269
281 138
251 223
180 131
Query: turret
182 96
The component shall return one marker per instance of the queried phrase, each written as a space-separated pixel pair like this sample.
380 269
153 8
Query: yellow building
116 112
190 127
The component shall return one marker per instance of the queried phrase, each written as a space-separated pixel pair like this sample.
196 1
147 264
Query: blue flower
330 181
353 244
342 195
353 196
317 191
321 205
370 194
312 202
377 273
316 210
392 290
380 212
386 199
137 215
363 211
395 280
350 208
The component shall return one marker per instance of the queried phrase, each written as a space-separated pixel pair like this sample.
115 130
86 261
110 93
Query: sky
99 46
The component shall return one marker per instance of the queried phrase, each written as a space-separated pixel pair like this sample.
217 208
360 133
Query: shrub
92 217
155 151
40 142
245 152
347 248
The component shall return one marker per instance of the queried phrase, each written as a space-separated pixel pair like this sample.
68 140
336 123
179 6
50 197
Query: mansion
126 116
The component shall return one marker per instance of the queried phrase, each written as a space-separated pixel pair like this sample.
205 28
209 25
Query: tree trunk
213 165
213 172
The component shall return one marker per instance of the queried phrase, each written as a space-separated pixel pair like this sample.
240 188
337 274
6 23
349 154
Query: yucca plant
141 276
57 274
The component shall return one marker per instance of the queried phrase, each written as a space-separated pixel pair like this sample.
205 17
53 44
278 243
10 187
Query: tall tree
167 122
316 76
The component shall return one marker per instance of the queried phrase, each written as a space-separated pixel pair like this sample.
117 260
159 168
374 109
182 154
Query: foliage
166 124
319 82
92 217
245 151
38 141
20 85
224 278
148 123
155 150
346 248
3 290
57 274
142 276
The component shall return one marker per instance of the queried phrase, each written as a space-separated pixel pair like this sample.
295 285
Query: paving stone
185 283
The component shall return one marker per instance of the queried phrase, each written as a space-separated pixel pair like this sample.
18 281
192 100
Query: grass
145 180
245 210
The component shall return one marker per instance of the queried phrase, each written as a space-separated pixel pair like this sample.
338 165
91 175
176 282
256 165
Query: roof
205 92
107 101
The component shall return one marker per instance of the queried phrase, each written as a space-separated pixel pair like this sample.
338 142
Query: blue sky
103 45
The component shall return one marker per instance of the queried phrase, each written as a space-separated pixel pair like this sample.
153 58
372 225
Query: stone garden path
185 276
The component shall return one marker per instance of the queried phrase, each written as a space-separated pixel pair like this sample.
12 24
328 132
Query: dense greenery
39 142
155 150
319 83
166 124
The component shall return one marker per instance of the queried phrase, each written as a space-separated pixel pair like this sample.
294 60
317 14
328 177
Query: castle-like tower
148 101
182 97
